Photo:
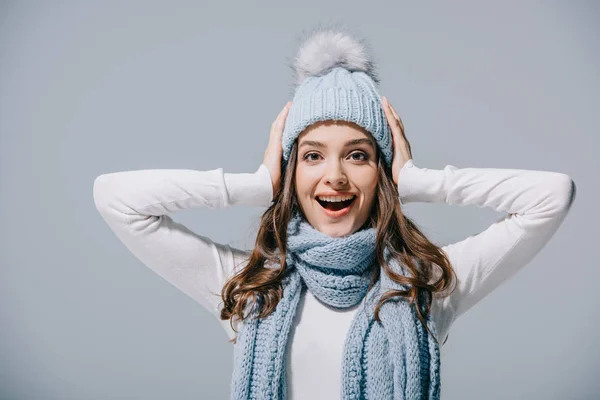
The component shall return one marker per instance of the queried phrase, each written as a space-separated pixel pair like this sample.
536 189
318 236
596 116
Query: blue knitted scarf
392 359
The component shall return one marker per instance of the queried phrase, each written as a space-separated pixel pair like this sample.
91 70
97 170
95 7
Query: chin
337 229
335 232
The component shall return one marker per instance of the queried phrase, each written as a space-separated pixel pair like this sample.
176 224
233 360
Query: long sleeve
136 204
536 202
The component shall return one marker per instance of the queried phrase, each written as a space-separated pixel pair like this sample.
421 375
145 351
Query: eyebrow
348 143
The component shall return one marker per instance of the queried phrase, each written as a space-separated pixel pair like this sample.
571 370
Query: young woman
342 295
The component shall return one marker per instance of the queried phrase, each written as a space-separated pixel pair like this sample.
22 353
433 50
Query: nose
335 175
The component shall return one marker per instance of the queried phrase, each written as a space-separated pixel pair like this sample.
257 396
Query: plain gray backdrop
88 88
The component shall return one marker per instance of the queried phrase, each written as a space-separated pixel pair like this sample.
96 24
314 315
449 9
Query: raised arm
136 204
536 202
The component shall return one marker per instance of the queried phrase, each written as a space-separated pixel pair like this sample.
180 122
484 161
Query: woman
342 295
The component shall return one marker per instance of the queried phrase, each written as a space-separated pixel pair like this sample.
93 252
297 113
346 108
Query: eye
308 155
363 156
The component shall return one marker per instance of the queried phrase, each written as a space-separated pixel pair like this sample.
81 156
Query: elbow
100 193
565 191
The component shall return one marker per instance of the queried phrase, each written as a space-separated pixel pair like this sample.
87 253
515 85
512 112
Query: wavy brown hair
395 231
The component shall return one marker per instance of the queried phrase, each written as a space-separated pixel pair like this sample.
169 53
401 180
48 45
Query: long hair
395 231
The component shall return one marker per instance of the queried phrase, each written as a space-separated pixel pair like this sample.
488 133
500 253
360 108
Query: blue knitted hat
336 80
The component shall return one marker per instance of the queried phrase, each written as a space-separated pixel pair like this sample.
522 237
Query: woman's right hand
274 152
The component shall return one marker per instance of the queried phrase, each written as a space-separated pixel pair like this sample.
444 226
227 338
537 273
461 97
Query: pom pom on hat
327 49
336 80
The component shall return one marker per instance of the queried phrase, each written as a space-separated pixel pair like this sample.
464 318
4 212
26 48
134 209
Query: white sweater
136 204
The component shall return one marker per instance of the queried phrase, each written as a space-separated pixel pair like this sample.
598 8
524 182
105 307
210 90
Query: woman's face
336 159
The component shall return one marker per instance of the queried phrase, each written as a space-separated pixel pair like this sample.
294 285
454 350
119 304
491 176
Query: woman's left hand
401 145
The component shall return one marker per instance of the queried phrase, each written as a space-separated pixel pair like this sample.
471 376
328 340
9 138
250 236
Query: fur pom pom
327 48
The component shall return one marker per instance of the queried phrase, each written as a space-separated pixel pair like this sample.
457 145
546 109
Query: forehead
334 132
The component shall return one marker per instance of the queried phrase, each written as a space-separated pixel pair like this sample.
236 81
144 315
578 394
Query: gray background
89 88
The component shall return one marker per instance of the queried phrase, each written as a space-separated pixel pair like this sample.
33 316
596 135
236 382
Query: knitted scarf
392 359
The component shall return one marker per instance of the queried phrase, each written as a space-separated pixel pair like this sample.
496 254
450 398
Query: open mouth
336 205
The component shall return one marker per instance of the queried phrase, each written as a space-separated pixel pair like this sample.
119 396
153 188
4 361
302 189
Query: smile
336 208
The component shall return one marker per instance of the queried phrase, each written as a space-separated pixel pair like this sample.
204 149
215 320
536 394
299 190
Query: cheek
305 183
368 185
370 195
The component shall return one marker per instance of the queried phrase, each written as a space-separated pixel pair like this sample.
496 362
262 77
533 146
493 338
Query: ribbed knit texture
342 95
392 359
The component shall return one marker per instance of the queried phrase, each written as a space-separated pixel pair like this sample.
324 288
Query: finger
401 130
281 120
284 112
395 115
392 121
278 123
397 119
279 115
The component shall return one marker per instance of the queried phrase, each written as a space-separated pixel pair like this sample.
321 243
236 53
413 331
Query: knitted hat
336 80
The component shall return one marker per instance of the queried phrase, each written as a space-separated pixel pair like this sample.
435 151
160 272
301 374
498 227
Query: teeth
335 198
